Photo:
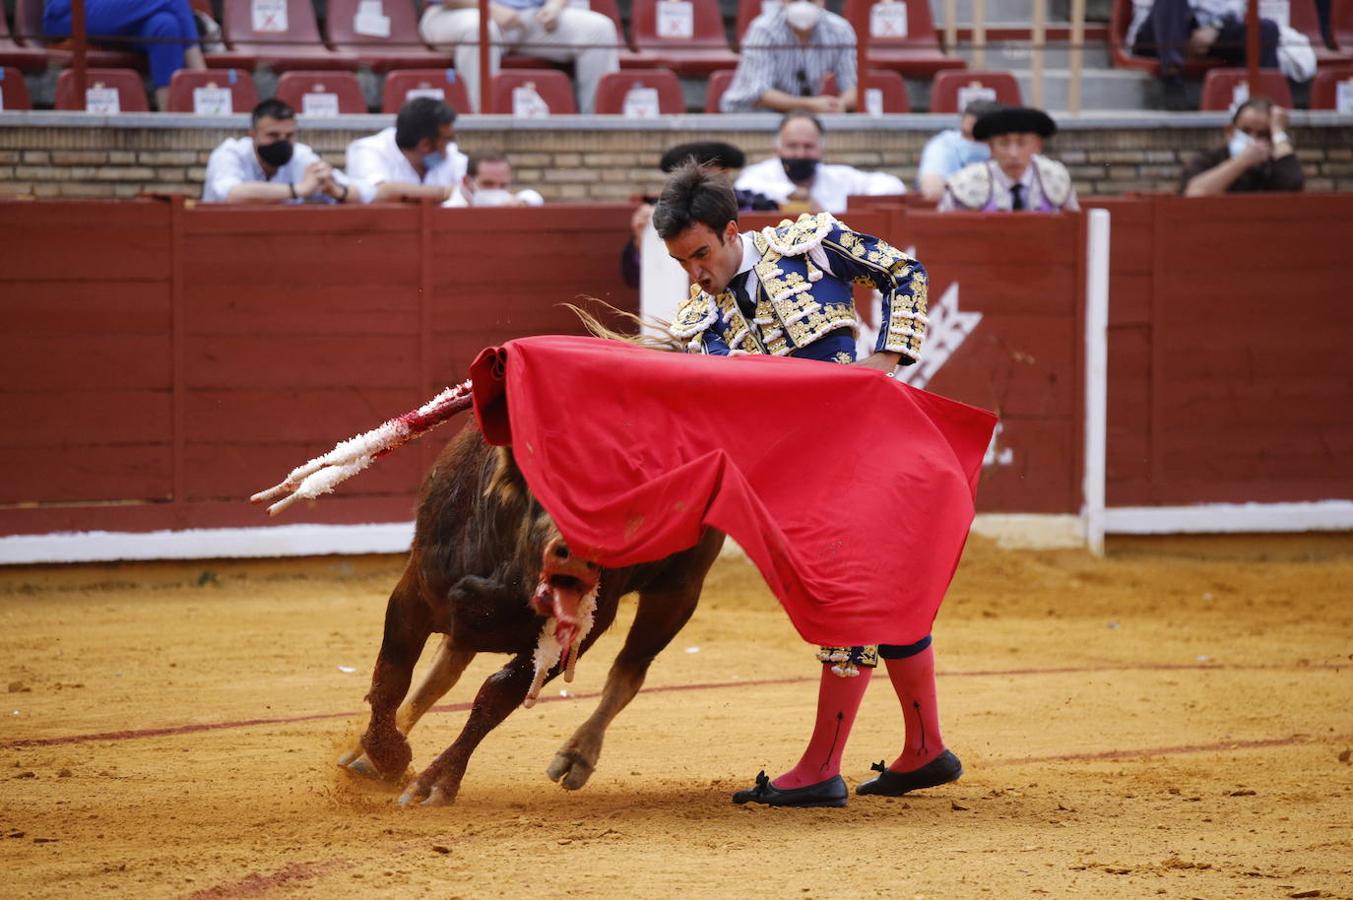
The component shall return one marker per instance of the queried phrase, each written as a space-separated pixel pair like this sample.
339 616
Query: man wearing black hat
1016 178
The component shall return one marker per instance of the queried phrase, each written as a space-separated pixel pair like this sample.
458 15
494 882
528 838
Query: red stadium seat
916 52
718 83
749 10
1219 88
689 39
1341 24
629 57
127 83
551 85
28 30
614 87
182 99
320 91
13 91
25 59
281 43
1325 87
945 90
892 91
1120 17
381 45
1302 17
427 82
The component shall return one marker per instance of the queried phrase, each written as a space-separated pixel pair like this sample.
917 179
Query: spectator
1258 156
549 29
798 179
1170 30
269 166
951 150
414 159
717 156
488 182
168 27
1016 178
785 57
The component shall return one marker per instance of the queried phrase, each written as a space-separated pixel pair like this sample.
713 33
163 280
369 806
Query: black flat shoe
940 770
831 792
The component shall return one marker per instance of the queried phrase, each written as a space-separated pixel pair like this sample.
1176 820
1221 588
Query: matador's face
710 258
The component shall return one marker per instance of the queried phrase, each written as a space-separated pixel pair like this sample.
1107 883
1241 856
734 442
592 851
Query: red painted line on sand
256 885
1177 750
172 730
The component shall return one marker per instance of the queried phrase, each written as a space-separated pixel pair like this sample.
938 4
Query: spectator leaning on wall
416 158
799 181
1258 156
269 166
488 182
785 57
952 149
1016 178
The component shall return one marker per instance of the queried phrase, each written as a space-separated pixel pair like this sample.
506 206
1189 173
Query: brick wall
65 155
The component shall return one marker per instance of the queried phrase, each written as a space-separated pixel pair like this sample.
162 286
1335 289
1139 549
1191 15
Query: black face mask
277 154
799 170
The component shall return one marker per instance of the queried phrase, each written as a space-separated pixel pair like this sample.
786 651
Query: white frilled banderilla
566 594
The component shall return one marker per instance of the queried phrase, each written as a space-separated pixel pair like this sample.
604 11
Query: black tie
1016 197
739 288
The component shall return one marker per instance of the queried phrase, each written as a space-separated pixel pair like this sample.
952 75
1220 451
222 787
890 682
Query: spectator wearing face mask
416 158
1258 156
1017 178
799 181
952 149
785 57
488 182
269 166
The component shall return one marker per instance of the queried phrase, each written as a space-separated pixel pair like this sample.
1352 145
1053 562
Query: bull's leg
448 664
408 623
659 617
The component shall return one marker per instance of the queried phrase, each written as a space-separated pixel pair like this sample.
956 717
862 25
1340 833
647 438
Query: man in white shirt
416 158
488 182
1172 29
785 58
269 166
549 29
1016 178
799 181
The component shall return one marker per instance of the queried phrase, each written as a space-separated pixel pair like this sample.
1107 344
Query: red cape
851 492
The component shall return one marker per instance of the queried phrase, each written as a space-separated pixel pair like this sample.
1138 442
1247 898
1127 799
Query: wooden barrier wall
158 363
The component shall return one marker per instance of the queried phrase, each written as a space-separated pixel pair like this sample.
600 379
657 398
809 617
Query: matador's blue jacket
801 287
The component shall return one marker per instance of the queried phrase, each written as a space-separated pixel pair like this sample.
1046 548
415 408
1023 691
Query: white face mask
802 15
1239 141
491 197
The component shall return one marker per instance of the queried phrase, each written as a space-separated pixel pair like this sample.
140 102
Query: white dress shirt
234 162
832 184
376 159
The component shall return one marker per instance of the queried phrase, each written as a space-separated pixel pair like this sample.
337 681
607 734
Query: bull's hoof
364 767
388 755
570 769
418 793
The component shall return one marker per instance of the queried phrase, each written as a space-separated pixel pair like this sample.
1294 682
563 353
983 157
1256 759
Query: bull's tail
650 331
323 473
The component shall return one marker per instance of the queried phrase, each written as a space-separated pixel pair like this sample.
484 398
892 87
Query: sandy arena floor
1175 720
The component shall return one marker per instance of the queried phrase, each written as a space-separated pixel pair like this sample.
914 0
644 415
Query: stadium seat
318 93
689 39
914 52
718 83
28 31
126 84
749 10
25 59
186 82
614 88
550 85
1303 17
947 87
282 43
13 91
1220 86
1325 87
630 58
427 82
1120 17
1341 24
381 44
891 92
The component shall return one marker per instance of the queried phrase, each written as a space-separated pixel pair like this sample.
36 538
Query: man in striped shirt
786 56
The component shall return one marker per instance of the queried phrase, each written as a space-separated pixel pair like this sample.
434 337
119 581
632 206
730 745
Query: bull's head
566 598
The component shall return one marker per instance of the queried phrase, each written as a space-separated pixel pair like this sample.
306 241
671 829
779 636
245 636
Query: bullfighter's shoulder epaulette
1056 180
694 314
798 237
970 186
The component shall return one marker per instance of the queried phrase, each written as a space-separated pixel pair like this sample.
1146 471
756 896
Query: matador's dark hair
694 194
